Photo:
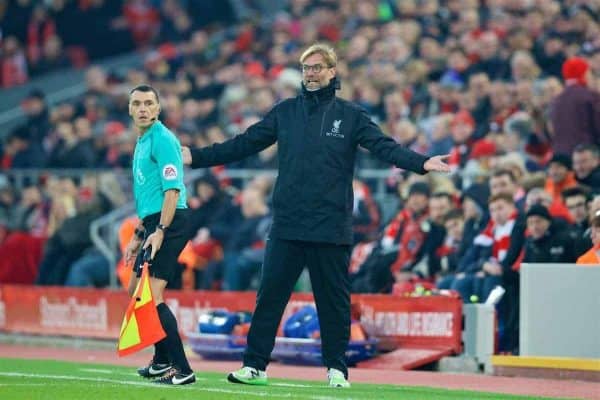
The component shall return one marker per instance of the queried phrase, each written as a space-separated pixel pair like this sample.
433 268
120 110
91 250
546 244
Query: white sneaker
336 378
249 376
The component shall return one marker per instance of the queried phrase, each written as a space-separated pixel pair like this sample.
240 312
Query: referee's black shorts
164 264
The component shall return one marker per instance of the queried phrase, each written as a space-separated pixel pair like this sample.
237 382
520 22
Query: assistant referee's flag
141 326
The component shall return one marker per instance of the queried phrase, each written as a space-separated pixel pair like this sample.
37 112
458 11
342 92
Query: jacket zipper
324 115
323 122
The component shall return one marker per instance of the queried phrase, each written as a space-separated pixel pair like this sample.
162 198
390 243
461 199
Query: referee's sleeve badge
169 172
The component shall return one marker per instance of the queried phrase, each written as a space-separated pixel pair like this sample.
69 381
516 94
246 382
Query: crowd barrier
560 311
424 322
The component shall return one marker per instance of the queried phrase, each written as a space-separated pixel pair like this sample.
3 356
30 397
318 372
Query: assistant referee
160 201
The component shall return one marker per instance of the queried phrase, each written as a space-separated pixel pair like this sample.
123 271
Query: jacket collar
323 94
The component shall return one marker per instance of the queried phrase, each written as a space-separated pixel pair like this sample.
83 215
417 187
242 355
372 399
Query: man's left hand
437 164
155 240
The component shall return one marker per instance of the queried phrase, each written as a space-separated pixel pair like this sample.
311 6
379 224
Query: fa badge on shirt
169 172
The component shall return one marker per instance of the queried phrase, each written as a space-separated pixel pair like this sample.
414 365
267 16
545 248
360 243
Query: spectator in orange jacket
592 257
560 176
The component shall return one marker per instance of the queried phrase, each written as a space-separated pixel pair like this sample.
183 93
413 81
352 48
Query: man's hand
435 164
186 155
492 268
131 250
155 240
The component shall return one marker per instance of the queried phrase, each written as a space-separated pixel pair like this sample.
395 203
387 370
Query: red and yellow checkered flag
141 326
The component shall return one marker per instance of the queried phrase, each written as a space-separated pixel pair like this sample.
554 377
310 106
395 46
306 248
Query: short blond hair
324 50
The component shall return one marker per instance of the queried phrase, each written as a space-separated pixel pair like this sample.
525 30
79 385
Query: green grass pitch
46 379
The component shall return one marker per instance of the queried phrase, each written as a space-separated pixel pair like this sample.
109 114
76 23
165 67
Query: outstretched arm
256 138
370 136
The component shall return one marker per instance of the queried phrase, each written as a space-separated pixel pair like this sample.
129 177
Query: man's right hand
186 155
492 268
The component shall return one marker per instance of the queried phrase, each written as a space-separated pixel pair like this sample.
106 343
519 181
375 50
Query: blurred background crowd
508 88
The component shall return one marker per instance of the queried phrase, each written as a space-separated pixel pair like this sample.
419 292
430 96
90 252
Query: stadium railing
104 230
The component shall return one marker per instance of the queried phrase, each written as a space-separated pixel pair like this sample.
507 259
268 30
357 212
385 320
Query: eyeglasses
315 68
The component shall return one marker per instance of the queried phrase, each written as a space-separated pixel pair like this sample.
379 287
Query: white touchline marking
108 371
293 385
152 385
74 378
23 384
99 371
186 387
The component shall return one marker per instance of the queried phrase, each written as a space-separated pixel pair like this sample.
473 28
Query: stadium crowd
40 36
509 88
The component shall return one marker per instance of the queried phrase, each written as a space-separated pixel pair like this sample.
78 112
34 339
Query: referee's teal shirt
157 167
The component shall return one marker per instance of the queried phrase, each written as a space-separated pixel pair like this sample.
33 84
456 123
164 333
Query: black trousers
328 267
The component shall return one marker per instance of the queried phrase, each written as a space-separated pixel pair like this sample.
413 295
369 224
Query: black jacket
317 135
556 246
592 180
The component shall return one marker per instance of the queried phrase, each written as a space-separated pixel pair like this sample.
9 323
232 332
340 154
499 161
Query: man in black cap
560 175
546 243
475 207
562 159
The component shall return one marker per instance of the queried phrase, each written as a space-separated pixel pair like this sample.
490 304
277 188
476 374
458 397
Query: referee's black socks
161 352
174 346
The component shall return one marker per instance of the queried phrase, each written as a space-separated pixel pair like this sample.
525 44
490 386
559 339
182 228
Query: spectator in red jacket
13 65
40 29
143 20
